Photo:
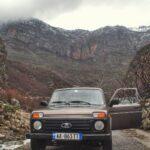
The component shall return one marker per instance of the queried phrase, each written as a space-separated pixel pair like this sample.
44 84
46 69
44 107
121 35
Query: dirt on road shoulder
140 135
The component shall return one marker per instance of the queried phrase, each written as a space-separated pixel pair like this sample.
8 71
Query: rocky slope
3 55
25 81
139 76
33 79
14 122
80 57
35 36
146 114
139 72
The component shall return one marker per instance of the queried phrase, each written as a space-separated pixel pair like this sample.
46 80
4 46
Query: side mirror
44 103
114 102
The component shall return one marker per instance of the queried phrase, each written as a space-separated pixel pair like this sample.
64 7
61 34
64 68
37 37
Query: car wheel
38 144
107 144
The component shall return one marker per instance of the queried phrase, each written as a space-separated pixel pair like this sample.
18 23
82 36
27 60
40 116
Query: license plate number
67 136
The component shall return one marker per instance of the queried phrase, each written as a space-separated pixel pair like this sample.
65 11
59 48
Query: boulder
2 136
15 102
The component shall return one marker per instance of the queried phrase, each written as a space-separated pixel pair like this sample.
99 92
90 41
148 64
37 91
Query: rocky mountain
35 35
3 55
139 71
79 57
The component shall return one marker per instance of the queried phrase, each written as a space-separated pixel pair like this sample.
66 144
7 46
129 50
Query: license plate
67 136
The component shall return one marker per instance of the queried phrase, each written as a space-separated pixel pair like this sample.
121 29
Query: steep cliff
2 64
139 71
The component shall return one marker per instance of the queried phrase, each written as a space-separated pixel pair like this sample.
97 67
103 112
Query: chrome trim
130 112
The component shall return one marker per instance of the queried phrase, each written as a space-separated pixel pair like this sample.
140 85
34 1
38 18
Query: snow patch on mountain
140 28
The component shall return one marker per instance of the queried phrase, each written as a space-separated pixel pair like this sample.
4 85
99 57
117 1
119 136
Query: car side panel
124 117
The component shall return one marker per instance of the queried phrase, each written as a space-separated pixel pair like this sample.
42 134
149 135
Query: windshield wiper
79 102
60 102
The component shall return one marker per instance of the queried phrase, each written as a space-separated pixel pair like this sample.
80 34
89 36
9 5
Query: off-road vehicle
73 115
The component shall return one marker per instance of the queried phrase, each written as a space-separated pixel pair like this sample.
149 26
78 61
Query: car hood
71 111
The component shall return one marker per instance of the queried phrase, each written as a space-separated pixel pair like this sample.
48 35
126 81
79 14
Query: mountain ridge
83 58
70 35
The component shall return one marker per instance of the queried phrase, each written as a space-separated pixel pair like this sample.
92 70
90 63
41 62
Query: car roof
79 88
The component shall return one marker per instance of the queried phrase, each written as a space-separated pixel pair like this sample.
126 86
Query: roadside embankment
14 122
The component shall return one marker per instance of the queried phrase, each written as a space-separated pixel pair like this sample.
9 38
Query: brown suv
73 115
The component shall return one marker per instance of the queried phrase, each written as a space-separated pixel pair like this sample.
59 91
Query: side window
125 97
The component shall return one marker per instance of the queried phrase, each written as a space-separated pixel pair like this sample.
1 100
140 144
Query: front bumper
44 136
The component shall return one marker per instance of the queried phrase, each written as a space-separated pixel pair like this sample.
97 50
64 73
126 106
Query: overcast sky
84 14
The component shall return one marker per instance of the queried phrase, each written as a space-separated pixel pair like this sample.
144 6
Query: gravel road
121 141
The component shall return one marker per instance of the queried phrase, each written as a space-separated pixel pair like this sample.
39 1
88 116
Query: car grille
77 125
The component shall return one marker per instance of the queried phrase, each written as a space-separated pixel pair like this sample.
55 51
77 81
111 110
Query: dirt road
121 141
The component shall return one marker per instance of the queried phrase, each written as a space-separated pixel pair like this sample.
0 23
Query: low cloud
117 2
87 14
18 9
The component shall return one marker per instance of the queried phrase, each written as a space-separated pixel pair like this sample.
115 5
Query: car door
128 112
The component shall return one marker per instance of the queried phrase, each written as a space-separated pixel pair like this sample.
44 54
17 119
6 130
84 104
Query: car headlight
100 115
37 115
99 125
37 125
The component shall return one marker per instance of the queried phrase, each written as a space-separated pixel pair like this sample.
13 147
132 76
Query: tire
107 144
38 144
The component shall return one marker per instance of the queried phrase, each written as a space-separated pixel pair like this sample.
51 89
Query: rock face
35 35
139 72
2 64
139 76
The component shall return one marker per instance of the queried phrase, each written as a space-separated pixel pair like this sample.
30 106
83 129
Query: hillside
33 79
79 57
13 121
3 55
139 71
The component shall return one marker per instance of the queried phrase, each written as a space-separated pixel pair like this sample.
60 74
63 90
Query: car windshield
78 97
